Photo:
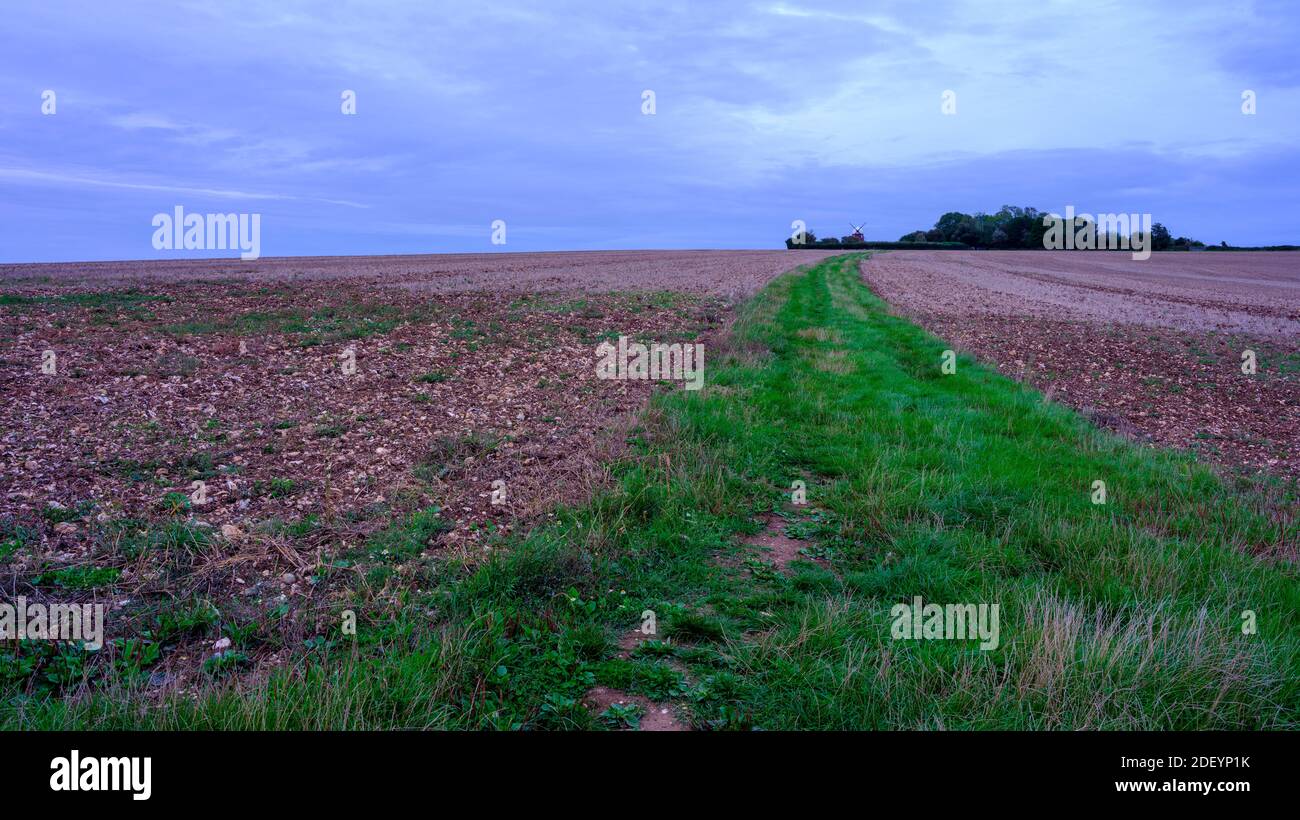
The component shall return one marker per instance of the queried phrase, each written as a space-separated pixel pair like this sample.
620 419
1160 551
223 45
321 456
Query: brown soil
655 717
474 389
775 545
629 642
1256 294
725 273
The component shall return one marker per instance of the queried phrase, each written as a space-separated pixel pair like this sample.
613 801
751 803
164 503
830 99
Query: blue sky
531 113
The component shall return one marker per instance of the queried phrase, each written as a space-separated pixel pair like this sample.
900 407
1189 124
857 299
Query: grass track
961 488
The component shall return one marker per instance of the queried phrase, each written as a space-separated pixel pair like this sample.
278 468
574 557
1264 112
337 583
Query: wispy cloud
137 120
27 175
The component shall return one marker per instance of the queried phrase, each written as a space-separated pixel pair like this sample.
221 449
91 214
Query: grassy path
961 489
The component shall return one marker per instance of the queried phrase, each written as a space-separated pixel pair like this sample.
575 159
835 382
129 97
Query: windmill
856 236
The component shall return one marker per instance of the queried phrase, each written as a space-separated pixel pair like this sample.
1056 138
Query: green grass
407 538
93 300
110 308
348 320
80 577
963 488
275 488
174 539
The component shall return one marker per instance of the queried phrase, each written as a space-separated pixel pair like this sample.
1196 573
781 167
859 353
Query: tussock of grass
447 454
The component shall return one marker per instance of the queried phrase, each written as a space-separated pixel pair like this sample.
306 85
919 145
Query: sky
534 113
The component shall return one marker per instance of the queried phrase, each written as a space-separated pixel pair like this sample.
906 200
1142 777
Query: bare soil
724 273
774 545
655 717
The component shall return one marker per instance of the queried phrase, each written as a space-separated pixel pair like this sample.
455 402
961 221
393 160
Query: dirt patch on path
655 717
627 645
775 545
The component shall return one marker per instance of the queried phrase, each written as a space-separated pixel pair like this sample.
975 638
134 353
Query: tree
1160 239
950 224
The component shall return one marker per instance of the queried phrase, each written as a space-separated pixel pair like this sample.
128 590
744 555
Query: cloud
137 120
30 176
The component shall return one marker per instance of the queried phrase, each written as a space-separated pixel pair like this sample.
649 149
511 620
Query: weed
85 577
621 716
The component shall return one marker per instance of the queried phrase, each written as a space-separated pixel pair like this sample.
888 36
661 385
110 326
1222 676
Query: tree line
1012 227
1015 227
